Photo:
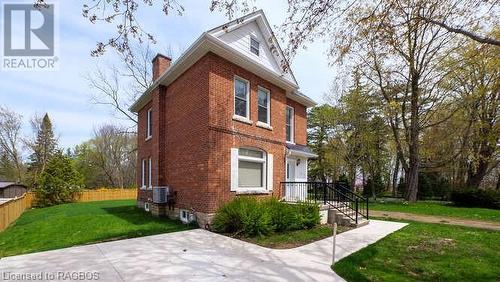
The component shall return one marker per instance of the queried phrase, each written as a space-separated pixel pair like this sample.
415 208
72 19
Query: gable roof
255 25
226 41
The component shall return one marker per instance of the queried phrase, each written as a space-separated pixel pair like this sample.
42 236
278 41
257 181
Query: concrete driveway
195 255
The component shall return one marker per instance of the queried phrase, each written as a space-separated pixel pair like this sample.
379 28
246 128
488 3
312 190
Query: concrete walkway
437 219
199 255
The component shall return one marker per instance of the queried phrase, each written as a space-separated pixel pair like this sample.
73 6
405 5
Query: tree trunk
498 182
414 159
475 176
395 176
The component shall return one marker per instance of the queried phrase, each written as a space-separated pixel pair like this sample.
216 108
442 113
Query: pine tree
44 147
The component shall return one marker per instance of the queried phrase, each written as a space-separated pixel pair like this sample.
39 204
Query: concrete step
343 219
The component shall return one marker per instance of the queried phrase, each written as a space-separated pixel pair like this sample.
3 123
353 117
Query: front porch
342 205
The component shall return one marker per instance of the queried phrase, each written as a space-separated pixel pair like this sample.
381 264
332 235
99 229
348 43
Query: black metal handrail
362 201
335 195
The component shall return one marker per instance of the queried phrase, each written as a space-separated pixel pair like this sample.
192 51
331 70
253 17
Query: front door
290 170
293 191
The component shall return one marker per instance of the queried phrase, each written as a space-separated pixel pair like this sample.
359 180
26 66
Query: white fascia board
301 154
224 50
301 98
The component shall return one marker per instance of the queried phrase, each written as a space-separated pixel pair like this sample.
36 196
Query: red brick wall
182 158
300 122
199 131
226 133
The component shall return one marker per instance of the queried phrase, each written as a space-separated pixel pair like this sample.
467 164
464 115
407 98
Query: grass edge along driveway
81 223
438 209
427 252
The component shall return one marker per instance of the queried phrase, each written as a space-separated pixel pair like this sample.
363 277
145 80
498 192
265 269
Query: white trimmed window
264 103
241 97
251 170
143 173
289 124
149 126
150 174
254 46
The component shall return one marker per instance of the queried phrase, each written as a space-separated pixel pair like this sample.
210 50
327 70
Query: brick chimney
160 64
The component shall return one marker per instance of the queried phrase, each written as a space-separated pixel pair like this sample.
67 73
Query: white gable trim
208 43
268 37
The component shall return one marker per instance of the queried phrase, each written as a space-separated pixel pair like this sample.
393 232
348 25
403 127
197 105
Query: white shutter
270 170
234 169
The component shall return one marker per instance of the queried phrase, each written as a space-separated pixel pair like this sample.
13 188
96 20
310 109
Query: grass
427 252
80 223
438 209
292 239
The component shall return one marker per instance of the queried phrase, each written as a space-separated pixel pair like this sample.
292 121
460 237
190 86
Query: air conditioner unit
161 194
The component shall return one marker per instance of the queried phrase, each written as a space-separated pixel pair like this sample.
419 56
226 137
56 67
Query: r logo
28 31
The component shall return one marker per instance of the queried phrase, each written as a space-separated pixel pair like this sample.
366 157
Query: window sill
242 119
143 188
150 187
264 125
149 138
253 192
289 142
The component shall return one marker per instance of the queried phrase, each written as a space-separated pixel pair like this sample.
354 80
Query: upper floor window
241 94
263 103
289 124
254 46
149 126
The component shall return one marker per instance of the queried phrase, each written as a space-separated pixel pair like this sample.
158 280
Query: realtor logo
29 38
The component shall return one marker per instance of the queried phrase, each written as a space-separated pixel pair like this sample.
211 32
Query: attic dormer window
254 46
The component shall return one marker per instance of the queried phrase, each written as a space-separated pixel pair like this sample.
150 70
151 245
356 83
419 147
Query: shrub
430 186
308 215
477 198
243 215
59 182
252 217
374 187
282 215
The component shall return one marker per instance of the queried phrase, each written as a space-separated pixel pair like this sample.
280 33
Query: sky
65 95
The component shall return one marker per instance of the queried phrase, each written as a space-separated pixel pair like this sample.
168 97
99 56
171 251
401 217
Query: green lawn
439 209
291 239
427 252
80 223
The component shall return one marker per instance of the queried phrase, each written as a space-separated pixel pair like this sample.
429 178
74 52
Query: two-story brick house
224 120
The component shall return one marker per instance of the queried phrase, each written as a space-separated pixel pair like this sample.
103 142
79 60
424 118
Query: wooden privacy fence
106 194
11 210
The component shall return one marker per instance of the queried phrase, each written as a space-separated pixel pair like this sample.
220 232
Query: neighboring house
12 189
224 120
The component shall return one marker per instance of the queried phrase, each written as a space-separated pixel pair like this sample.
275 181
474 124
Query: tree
475 76
10 144
118 86
43 146
310 19
108 159
59 182
399 56
320 124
